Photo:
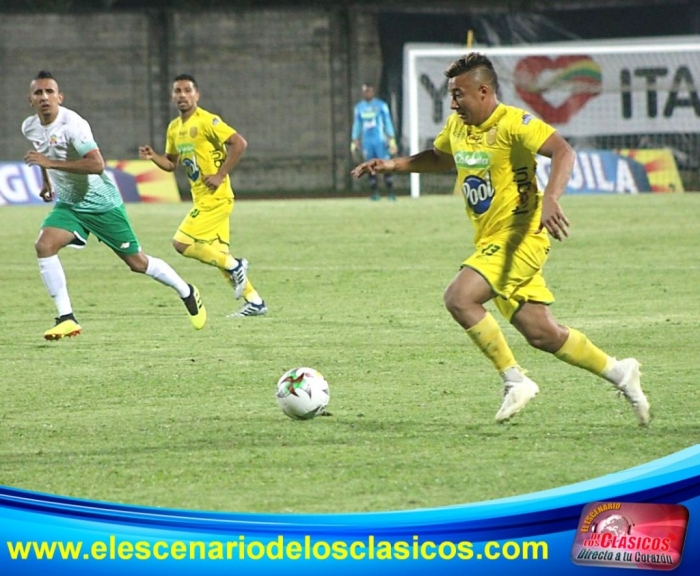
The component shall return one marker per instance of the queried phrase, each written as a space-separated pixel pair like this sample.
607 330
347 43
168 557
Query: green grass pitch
142 409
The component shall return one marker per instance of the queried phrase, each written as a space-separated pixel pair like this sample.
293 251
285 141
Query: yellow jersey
496 169
199 142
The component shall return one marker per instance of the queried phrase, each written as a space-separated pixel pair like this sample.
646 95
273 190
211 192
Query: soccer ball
302 393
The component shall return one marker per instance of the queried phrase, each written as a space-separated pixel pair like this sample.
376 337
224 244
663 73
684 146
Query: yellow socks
579 351
224 262
250 294
487 335
210 255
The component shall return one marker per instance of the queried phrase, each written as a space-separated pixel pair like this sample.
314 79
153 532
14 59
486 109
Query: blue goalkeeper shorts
374 148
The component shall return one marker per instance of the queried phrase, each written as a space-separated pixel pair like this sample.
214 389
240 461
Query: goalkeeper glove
393 148
356 151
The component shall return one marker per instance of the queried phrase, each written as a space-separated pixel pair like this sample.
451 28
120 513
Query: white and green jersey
69 137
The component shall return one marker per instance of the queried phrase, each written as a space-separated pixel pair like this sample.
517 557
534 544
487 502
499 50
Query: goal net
622 96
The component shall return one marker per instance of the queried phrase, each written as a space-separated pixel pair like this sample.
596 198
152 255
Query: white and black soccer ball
303 393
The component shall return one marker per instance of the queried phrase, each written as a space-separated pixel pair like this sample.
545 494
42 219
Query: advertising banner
618 172
586 93
137 180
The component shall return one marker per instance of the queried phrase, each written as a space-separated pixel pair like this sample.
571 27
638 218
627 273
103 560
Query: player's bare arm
46 193
426 161
563 157
166 162
91 163
236 146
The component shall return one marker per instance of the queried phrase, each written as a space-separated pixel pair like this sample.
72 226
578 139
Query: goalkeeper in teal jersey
373 132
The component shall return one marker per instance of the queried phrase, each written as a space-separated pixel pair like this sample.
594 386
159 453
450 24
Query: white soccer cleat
250 309
631 389
516 395
239 277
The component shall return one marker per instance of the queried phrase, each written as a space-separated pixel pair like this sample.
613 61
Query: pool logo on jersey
478 193
540 81
191 169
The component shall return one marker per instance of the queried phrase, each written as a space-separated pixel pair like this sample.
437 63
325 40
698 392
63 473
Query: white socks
254 298
161 271
55 281
512 374
614 372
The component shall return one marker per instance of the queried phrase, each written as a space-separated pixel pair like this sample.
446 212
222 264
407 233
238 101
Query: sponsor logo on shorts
125 245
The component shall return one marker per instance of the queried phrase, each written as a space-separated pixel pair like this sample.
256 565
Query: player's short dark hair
474 61
186 78
45 75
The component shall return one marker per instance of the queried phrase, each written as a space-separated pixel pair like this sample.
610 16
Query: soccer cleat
250 309
65 327
195 308
392 197
516 395
376 196
239 277
631 389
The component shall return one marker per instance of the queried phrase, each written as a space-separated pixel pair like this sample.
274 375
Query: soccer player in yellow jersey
209 149
493 147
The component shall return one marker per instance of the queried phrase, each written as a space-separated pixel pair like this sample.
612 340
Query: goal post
625 94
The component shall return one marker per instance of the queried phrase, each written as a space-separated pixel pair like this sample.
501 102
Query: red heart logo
577 76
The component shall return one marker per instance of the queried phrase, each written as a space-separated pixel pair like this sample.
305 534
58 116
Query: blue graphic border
550 516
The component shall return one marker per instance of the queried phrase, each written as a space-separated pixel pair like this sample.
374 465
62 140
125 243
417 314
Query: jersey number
490 250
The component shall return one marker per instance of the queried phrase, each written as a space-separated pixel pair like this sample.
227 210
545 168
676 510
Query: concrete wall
285 79
102 65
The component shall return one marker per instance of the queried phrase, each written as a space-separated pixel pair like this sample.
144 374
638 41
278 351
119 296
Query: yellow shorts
207 222
512 264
